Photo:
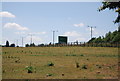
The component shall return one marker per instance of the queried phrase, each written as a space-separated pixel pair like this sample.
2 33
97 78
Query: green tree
12 45
116 38
113 35
108 37
98 40
92 40
27 45
7 43
111 6
32 45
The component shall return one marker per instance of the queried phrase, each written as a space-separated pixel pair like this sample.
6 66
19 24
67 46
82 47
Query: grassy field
60 63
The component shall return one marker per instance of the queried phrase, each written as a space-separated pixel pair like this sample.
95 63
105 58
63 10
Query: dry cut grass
60 63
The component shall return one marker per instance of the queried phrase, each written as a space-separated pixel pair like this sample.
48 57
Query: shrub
27 80
81 55
49 74
77 65
29 69
3 71
50 64
17 61
84 67
5 52
8 56
71 55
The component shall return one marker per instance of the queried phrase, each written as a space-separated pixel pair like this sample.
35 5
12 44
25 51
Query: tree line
8 45
110 37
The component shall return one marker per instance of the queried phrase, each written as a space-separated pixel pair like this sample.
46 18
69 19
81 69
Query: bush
29 69
50 64
77 65
71 55
49 74
81 55
84 67
17 61
12 45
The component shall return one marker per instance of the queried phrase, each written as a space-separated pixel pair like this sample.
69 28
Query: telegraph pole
54 36
22 41
17 42
31 38
91 27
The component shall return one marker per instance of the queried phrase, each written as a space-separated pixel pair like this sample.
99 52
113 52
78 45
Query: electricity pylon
91 27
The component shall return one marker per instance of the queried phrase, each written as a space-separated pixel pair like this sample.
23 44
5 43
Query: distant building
62 39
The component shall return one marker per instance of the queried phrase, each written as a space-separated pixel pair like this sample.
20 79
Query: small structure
62 39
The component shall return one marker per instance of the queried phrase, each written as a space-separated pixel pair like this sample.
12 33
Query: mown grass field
68 62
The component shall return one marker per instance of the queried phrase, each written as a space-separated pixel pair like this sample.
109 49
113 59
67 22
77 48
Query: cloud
14 26
78 25
35 39
38 33
32 33
75 36
72 34
82 39
19 33
6 14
